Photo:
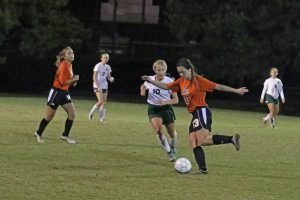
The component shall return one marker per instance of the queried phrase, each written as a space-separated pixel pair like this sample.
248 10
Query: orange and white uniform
63 73
194 95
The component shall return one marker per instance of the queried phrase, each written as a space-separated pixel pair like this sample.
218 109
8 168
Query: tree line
233 41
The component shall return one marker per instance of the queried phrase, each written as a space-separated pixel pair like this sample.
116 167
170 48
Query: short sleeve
174 86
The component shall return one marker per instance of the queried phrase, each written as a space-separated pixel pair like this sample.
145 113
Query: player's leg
168 117
70 110
52 104
272 109
157 125
102 110
97 105
173 137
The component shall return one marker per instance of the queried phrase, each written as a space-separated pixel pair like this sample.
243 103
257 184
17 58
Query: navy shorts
58 97
103 90
201 119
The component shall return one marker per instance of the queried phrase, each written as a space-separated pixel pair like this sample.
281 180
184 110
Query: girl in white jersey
160 111
270 95
102 74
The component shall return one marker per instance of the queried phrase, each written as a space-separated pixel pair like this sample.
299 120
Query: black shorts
103 90
201 119
58 97
166 113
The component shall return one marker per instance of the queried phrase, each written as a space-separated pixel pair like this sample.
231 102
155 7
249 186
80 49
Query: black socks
200 157
42 126
221 139
68 126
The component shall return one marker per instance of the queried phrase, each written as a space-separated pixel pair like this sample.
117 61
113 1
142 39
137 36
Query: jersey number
195 123
156 91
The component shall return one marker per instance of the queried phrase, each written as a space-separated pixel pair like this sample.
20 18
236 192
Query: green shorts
270 99
166 113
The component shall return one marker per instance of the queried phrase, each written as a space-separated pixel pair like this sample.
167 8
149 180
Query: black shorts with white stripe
58 97
201 119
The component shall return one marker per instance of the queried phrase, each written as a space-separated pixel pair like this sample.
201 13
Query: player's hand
112 79
283 101
261 101
76 78
145 78
143 93
242 90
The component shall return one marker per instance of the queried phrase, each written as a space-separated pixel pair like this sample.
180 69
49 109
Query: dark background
230 42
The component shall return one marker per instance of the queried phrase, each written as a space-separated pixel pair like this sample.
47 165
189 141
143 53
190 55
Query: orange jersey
63 74
194 95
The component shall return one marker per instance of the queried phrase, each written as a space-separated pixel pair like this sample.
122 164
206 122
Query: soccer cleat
102 120
272 122
173 150
171 156
90 116
39 138
204 172
236 141
69 140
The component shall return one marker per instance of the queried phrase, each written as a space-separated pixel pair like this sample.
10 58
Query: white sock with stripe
163 142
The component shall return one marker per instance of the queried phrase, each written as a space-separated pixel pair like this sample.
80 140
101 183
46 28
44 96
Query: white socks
93 109
163 142
266 118
174 140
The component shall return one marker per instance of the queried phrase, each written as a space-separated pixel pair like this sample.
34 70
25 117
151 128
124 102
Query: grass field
120 159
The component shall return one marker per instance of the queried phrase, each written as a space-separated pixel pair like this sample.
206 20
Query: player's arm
263 93
173 100
225 88
154 82
96 82
143 90
110 78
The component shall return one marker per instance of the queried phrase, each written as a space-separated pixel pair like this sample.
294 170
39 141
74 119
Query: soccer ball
183 165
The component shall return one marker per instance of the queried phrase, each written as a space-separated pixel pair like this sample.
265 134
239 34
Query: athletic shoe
171 156
39 138
102 120
90 116
204 172
272 123
236 141
69 140
173 150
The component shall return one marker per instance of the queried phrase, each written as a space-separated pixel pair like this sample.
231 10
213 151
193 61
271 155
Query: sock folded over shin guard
68 126
221 139
200 157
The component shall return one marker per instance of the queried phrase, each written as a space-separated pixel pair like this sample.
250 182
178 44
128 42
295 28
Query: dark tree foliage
238 40
32 32
37 27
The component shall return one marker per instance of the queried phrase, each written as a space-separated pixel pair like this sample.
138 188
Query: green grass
120 159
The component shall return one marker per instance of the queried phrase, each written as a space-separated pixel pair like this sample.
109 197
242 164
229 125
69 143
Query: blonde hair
161 63
61 56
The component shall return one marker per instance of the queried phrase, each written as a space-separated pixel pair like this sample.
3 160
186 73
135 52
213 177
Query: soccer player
193 88
102 73
59 95
160 111
270 94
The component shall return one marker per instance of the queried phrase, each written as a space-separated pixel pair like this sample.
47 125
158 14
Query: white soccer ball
183 165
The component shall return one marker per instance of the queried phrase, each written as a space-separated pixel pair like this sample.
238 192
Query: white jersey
156 94
273 87
102 73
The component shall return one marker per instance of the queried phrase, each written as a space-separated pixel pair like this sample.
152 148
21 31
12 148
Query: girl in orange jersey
193 88
59 95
